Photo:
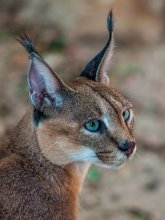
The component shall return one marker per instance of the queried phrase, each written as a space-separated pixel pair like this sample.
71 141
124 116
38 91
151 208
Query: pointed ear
97 69
45 86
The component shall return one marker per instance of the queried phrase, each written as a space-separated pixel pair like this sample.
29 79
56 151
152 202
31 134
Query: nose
127 147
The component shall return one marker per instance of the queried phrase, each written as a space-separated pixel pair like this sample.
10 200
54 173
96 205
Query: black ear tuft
26 42
110 22
46 89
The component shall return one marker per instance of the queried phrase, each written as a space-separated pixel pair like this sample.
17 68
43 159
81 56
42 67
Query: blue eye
92 126
126 115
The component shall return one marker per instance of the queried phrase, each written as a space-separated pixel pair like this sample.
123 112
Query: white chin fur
110 166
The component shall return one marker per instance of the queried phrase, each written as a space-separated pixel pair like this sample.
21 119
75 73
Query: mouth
107 157
118 160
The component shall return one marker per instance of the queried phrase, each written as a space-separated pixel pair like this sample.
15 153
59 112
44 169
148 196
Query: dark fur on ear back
26 42
91 69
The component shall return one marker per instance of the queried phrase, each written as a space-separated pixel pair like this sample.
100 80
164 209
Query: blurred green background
69 33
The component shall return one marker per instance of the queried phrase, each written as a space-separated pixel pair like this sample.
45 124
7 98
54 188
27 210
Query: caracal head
84 119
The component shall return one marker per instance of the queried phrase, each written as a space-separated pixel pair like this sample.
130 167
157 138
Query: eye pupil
92 124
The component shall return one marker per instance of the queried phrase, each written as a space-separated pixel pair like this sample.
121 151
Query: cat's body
70 125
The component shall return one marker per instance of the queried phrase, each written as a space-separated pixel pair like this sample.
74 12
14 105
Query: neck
24 141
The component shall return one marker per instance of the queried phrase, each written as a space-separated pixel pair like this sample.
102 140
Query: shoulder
12 168
22 186
31 194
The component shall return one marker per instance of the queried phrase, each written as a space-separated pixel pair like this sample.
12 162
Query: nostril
124 146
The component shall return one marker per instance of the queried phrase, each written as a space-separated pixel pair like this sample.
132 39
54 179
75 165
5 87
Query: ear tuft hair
26 42
110 22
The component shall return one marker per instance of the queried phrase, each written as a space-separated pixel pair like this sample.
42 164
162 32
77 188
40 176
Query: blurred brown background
69 33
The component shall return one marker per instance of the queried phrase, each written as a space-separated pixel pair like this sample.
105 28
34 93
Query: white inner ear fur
50 82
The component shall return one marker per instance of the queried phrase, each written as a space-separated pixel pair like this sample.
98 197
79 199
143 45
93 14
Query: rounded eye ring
92 126
126 115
